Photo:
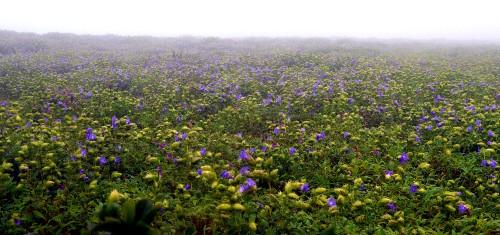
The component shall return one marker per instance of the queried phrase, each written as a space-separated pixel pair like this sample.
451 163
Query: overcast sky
421 19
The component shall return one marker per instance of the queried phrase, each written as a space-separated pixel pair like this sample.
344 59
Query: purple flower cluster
89 134
248 185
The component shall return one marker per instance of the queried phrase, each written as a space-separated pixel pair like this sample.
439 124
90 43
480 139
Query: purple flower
239 135
3 103
469 129
89 134
462 209
278 99
493 163
320 136
82 171
388 173
199 171
491 133
484 163
392 206
330 89
244 170
263 149
276 131
346 134
249 184
203 88
438 98
113 122
413 188
127 121
226 175
17 222
184 136
187 187
417 139
118 160
83 152
292 150
331 202
86 179
471 108
428 127
304 187
159 170
88 94
403 158
477 122
103 160
244 156
203 151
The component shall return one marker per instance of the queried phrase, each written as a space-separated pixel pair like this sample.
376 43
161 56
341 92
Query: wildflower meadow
143 135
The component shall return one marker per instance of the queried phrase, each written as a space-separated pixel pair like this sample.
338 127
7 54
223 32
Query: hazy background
422 19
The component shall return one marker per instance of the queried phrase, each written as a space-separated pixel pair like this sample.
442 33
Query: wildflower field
138 135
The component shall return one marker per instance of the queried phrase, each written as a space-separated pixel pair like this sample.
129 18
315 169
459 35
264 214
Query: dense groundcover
249 136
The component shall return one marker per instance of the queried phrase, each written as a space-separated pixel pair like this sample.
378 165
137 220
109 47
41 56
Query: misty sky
421 19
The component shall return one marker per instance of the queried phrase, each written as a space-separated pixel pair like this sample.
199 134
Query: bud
238 206
386 217
49 183
340 199
252 226
359 219
318 190
450 208
150 176
116 174
93 184
224 206
384 200
114 196
424 165
357 204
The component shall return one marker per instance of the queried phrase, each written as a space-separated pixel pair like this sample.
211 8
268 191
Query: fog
386 19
